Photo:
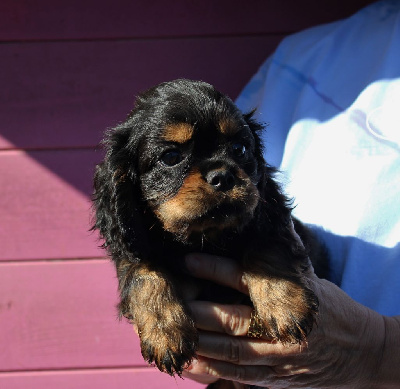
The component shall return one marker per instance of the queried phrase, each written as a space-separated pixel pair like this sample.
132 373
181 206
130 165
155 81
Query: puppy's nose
221 179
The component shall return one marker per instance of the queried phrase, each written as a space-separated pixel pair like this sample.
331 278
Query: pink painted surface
91 19
44 205
143 378
62 315
66 95
70 70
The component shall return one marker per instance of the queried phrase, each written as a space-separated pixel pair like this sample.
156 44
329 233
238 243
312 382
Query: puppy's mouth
202 208
222 216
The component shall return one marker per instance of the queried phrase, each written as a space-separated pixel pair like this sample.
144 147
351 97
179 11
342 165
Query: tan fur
179 133
277 301
228 127
166 329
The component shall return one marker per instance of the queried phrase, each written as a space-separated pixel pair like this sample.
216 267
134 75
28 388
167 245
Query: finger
222 318
196 373
248 351
214 369
221 270
201 379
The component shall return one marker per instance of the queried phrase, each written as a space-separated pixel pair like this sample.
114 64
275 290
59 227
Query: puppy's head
194 158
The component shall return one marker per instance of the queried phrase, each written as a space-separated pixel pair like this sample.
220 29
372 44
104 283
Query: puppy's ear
277 207
274 217
263 169
256 128
116 199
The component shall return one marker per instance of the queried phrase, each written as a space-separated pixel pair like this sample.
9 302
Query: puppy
186 173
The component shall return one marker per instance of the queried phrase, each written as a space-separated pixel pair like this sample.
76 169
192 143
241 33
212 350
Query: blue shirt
331 98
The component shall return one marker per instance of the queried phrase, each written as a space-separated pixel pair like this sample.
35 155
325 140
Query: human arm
350 345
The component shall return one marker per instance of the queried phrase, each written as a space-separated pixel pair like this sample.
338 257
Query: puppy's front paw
288 310
170 345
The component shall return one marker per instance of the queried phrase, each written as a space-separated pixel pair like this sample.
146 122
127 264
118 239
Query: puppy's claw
170 357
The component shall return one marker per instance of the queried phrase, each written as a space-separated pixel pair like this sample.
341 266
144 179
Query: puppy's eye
171 157
239 150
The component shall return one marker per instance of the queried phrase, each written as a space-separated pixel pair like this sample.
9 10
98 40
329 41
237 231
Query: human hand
344 349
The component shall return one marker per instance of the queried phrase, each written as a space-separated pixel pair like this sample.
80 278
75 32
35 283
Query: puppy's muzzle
213 197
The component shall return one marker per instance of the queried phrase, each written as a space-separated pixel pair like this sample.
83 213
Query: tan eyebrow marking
228 127
179 133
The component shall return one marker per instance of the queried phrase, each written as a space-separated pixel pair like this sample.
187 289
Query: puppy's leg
281 296
167 333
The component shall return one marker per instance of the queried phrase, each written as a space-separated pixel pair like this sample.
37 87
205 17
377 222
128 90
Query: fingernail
191 365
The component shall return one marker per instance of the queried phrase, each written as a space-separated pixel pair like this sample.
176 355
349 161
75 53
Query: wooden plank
62 315
146 378
65 95
44 205
91 19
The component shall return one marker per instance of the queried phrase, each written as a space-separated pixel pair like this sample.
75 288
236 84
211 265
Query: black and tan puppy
184 173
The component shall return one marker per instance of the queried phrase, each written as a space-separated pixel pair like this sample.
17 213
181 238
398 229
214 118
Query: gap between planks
135 369
54 260
147 38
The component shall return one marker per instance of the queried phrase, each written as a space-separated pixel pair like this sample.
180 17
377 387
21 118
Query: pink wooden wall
70 69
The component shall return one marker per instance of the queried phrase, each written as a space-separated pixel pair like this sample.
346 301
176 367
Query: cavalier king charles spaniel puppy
185 173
